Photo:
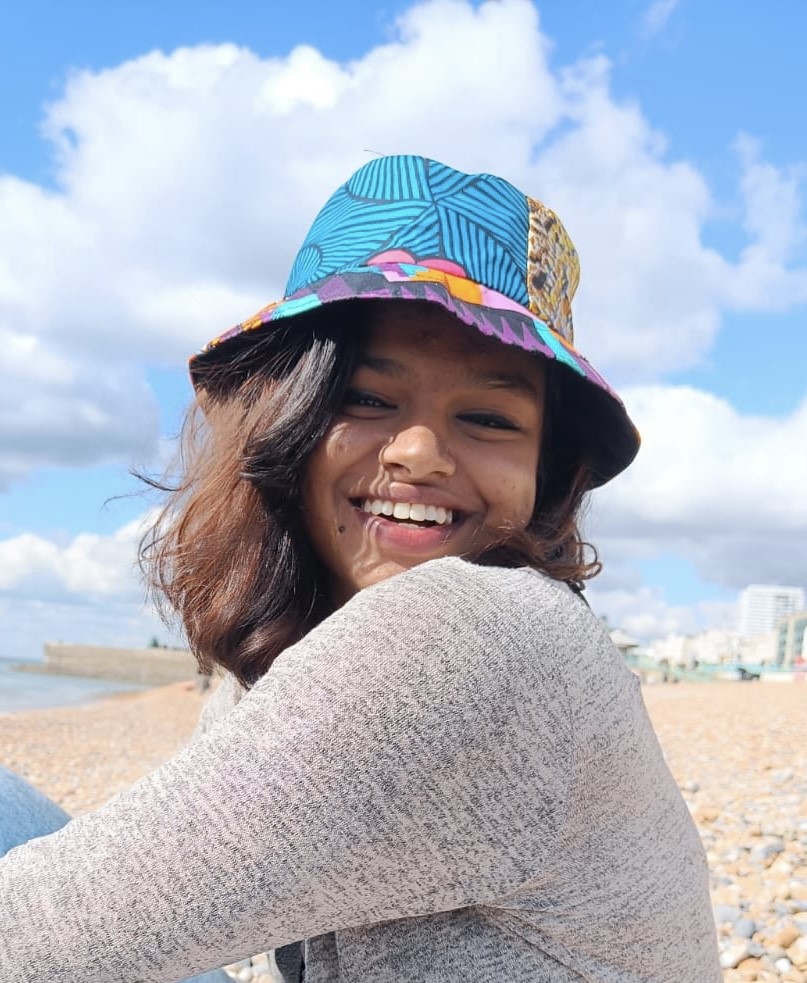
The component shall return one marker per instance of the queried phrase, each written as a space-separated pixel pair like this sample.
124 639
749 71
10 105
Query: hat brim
603 430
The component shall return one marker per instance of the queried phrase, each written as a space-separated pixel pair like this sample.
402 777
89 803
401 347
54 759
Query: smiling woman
426 762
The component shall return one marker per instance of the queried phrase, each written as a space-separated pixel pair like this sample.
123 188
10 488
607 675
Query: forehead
415 330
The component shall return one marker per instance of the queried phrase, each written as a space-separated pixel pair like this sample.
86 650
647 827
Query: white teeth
405 510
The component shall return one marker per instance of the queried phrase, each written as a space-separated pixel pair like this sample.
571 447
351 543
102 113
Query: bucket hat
408 228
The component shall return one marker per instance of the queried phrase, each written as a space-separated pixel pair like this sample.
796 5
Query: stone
766 852
744 928
785 937
725 913
735 953
797 952
781 867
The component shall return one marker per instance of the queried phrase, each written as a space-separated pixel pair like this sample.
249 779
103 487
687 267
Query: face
435 452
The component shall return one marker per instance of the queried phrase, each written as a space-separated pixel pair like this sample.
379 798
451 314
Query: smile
408 512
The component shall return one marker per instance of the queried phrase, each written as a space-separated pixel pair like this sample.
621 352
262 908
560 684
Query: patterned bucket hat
408 228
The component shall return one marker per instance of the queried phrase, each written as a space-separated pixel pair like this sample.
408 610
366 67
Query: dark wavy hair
228 553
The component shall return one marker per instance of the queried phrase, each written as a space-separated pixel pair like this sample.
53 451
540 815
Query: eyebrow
385 366
489 380
505 380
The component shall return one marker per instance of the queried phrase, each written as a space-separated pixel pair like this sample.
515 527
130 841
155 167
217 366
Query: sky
161 162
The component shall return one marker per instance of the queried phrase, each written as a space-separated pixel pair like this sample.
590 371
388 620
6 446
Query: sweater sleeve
409 756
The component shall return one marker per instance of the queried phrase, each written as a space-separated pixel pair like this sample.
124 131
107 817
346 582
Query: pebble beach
737 750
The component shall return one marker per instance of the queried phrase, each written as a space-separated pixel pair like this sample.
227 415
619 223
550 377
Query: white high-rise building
762 606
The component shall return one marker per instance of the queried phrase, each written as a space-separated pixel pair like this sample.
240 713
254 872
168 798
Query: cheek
330 476
519 503
514 490
327 462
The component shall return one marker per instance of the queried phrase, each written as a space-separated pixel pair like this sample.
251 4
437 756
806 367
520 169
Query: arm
388 765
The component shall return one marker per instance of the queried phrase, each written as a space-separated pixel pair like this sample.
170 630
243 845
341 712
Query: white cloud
655 17
57 412
89 565
84 590
186 180
648 301
723 490
767 276
645 614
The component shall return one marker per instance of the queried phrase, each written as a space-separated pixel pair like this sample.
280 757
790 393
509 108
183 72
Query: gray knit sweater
453 778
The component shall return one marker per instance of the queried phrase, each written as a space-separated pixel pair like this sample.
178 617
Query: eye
358 399
489 421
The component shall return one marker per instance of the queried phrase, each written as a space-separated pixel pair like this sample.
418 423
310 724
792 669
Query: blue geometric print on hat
426 209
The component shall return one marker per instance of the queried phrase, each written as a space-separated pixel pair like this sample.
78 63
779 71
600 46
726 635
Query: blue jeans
26 813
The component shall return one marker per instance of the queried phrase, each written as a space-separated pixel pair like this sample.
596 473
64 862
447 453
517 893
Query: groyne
147 666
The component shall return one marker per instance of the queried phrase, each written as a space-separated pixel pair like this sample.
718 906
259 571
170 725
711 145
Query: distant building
623 641
716 647
763 606
791 640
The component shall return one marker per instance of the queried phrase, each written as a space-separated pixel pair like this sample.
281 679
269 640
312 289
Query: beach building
716 646
791 640
763 606
624 642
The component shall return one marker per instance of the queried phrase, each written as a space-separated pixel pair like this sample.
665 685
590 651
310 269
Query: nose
419 451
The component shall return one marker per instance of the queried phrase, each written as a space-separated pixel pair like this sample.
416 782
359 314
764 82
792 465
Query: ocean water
37 691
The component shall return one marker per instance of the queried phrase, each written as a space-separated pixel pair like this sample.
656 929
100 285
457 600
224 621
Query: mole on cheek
340 529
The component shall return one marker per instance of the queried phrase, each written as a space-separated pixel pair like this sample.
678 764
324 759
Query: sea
40 691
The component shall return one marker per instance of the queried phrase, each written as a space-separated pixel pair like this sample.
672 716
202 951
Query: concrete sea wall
149 666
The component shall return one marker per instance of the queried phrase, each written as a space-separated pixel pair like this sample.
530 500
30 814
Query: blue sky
680 119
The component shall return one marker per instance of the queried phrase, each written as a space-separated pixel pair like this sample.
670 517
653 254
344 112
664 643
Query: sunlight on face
435 452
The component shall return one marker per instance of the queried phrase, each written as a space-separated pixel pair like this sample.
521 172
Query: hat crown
476 226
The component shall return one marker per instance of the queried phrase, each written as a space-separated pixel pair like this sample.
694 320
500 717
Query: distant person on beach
426 762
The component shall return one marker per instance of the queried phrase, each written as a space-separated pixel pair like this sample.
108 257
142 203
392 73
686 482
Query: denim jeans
26 813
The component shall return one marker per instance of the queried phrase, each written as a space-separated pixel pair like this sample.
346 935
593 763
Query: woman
426 759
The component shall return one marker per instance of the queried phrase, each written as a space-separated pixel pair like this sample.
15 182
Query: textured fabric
452 778
410 229
25 813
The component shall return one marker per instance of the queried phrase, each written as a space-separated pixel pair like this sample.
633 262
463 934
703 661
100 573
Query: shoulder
451 589
450 612
223 699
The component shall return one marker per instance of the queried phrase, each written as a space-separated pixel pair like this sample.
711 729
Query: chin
380 572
